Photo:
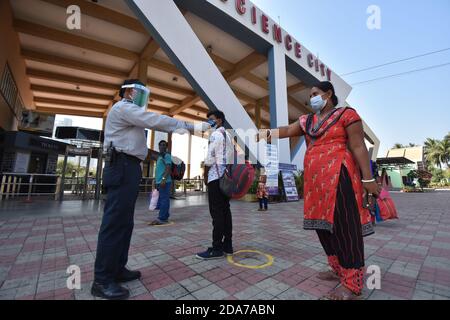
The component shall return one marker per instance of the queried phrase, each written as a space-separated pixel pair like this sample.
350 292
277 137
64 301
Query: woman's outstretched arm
293 130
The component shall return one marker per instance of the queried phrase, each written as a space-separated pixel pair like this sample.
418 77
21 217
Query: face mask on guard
139 95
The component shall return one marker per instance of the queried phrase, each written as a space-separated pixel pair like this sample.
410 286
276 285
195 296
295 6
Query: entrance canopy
394 161
79 72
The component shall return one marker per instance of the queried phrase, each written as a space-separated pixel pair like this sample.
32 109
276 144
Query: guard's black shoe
111 291
128 275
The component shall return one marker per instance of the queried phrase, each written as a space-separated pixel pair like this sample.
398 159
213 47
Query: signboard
37 122
288 177
47 144
22 162
272 169
74 151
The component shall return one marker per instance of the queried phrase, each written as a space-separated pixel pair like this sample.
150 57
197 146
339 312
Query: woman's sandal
328 276
341 294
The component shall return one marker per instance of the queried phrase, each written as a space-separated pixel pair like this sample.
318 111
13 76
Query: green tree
444 151
438 175
433 152
447 137
398 146
70 167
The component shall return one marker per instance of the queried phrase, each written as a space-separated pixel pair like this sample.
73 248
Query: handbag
387 209
153 200
386 205
237 178
226 183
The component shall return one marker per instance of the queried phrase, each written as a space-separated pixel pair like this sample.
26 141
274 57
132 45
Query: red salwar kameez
334 195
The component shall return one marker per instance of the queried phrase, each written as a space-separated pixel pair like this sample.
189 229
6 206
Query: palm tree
433 152
444 151
412 145
398 146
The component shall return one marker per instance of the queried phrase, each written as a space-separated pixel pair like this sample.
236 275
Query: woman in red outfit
333 187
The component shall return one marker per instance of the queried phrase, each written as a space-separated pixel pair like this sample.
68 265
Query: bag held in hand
237 178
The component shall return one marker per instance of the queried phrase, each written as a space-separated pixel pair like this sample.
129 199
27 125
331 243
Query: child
261 193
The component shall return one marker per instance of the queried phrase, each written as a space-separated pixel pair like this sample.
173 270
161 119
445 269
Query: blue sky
402 109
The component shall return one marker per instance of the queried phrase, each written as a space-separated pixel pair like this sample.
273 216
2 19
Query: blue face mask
317 104
212 123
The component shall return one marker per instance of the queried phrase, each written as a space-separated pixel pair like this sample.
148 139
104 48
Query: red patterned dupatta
331 119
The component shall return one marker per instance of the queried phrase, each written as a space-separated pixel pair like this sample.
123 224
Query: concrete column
189 157
279 115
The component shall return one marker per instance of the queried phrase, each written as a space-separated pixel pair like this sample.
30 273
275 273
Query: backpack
237 178
178 168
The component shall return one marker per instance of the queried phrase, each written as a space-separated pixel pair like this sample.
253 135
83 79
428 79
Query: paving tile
413 254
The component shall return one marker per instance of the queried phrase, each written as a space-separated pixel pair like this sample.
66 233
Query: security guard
126 147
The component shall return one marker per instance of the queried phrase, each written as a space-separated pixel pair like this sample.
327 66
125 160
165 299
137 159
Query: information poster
289 186
272 170
22 161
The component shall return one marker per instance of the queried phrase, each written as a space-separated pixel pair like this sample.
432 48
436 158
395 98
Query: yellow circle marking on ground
261 266
162 225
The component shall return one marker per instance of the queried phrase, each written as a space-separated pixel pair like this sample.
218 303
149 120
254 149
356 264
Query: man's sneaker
210 254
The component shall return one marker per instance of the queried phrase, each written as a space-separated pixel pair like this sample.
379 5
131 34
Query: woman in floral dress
334 189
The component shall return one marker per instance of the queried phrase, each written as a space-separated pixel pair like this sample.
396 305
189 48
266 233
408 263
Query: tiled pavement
413 254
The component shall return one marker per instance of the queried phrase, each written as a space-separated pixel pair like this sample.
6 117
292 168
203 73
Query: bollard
14 187
30 186
8 187
2 187
19 184
58 187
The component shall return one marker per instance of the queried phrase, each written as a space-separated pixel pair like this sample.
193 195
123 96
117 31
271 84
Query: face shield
139 94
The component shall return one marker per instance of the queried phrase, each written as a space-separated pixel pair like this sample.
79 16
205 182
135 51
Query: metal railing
23 185
28 185
190 184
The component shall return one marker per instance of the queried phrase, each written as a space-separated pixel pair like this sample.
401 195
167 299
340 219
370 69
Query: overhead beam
221 62
70 112
244 66
39 74
70 93
298 105
102 13
69 103
44 32
186 103
262 83
170 88
150 49
164 66
72 64
165 99
296 88
250 62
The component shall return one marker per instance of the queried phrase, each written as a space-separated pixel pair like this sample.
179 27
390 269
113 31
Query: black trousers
346 241
122 181
219 208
